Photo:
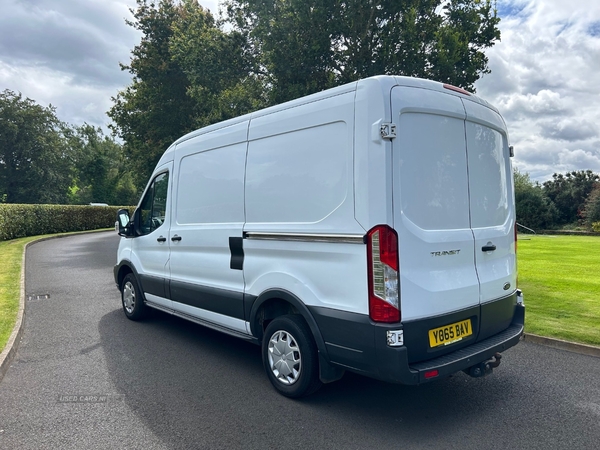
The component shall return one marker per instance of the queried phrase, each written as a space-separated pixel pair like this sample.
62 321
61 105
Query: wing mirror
123 226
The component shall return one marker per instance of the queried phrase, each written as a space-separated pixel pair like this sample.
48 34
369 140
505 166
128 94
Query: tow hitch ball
484 368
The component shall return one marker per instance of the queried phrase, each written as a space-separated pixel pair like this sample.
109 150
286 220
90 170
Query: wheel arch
122 269
277 302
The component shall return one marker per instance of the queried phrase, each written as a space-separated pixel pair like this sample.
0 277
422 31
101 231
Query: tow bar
484 368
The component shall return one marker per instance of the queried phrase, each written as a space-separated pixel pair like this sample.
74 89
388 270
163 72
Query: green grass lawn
560 279
11 254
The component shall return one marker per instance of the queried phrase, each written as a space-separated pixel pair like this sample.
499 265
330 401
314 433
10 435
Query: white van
369 228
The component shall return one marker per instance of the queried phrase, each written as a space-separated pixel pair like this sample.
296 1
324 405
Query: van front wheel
290 356
131 298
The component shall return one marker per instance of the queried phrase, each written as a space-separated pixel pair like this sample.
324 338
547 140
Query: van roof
379 82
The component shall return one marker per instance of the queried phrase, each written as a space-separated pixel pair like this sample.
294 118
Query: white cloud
544 102
569 129
67 53
545 81
579 157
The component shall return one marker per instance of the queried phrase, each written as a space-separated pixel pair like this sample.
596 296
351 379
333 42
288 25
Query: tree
155 109
591 212
101 172
569 193
217 65
35 164
303 46
290 43
534 209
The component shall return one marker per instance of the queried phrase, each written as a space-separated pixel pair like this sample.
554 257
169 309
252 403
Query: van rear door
491 201
454 214
431 205
492 216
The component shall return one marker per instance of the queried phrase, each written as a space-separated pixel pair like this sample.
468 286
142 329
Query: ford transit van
367 228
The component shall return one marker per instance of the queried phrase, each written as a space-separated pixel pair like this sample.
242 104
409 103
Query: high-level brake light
383 273
456 89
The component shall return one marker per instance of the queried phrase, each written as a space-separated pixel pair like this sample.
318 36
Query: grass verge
561 286
10 284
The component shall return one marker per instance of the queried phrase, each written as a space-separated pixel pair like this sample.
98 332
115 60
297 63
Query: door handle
161 239
489 247
176 238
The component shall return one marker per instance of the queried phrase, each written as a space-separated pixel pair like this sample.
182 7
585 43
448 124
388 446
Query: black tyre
131 298
290 356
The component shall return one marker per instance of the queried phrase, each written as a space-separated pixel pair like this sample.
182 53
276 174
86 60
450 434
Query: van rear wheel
290 356
131 298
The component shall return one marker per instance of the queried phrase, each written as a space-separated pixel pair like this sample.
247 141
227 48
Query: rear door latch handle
176 238
489 247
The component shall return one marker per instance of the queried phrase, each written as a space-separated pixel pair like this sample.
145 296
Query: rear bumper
364 349
471 355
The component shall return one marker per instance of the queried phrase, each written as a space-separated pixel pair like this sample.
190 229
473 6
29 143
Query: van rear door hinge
388 130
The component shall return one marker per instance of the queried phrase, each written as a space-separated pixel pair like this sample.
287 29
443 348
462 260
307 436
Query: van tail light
383 274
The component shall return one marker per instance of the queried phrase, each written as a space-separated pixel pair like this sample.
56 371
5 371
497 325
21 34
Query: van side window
154 205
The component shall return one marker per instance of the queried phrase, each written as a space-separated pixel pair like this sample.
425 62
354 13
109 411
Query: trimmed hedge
18 221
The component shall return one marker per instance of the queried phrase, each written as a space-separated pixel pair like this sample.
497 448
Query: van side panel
300 232
372 154
208 210
301 176
330 275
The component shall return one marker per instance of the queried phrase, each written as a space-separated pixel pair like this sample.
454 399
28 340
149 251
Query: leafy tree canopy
534 209
569 193
43 160
155 109
591 212
303 46
100 170
34 160
221 74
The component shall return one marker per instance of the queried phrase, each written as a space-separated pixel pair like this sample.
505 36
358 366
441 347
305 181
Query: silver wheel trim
285 360
128 297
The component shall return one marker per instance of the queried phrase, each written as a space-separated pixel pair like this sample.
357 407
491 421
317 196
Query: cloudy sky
545 72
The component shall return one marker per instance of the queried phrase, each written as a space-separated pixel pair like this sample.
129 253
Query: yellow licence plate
450 334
